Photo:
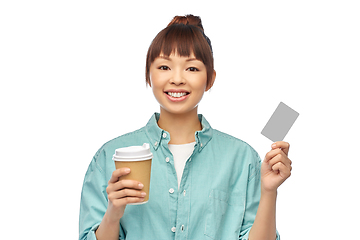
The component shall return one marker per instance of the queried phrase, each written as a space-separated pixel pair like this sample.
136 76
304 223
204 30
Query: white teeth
176 94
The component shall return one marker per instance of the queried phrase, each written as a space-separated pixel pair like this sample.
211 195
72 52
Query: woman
205 184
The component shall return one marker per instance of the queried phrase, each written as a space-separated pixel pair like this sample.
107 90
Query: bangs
178 39
183 40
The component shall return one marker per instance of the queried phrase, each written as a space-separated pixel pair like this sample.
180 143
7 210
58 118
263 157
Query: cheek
153 80
200 84
156 85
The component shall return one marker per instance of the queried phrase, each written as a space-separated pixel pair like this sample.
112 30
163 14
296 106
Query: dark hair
185 35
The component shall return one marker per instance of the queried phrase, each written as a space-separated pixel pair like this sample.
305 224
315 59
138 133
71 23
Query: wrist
110 220
268 193
108 228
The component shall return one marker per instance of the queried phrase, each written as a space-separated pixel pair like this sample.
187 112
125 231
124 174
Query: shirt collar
158 135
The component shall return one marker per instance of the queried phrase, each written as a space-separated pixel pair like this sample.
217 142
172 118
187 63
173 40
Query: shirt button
173 229
171 190
184 192
164 135
167 159
182 227
156 143
201 145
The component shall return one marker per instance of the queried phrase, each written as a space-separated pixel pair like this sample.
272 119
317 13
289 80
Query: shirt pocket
224 214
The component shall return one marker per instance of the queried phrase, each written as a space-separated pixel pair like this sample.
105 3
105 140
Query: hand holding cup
130 182
122 192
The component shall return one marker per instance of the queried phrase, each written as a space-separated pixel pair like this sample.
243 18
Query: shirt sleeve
252 198
94 200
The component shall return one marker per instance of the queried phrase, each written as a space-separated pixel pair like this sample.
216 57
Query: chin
179 111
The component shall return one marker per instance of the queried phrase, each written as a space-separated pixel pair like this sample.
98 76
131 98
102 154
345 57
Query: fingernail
141 185
274 145
127 170
143 194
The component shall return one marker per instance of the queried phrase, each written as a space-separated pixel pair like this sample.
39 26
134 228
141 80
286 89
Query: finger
131 184
124 193
118 173
128 200
281 158
283 171
272 153
126 183
284 146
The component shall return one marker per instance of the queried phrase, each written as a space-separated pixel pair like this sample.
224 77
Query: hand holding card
276 167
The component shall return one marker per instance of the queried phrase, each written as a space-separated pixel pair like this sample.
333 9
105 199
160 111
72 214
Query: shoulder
134 138
236 146
125 140
238 153
231 140
137 137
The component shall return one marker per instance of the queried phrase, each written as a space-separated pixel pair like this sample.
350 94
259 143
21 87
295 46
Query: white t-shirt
181 154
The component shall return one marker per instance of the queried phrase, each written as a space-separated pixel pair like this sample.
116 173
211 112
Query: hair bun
187 20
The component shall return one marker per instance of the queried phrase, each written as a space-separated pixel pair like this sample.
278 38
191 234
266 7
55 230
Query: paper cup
138 159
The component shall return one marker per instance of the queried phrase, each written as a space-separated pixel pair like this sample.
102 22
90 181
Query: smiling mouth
177 94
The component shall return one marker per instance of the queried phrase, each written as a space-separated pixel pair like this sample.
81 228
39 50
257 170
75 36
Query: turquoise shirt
218 196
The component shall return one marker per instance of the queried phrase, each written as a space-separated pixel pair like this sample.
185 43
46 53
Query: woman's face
178 83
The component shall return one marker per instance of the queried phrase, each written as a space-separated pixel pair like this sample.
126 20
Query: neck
182 127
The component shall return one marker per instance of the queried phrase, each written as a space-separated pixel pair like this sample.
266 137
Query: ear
211 83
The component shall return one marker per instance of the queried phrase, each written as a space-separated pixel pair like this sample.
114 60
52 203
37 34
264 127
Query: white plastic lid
133 153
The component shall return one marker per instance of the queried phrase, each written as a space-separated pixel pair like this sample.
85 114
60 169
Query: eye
164 67
193 69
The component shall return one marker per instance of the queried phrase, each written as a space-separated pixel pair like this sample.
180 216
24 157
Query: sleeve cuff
246 236
91 234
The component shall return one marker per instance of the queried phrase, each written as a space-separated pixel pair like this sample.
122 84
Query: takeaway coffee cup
138 159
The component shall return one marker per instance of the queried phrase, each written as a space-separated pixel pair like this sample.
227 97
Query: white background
73 77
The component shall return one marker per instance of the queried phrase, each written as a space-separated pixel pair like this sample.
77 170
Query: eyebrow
192 59
187 60
164 57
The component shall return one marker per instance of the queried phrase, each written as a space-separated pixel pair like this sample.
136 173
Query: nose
177 78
